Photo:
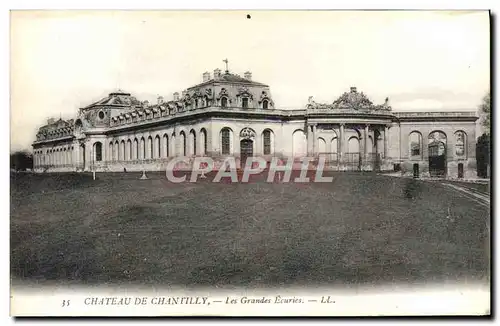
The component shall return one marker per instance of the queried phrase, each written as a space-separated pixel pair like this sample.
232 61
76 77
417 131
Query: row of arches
332 145
267 140
53 157
437 143
155 147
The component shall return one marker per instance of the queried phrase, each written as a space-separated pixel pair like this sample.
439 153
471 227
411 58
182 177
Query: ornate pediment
353 100
223 92
265 96
247 133
244 92
208 93
197 94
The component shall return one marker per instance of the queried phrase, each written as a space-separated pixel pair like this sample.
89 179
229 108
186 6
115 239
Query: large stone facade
229 115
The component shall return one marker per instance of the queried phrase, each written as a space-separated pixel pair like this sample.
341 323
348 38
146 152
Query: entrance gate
416 172
246 151
352 161
460 170
437 159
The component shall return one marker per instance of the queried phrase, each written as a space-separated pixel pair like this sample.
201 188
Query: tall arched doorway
246 150
247 136
82 155
299 143
437 154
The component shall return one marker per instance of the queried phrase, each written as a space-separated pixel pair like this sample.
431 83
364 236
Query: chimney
353 89
176 96
217 73
160 99
206 76
145 104
184 93
50 121
248 75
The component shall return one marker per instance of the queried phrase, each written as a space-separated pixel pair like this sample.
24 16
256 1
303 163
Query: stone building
229 115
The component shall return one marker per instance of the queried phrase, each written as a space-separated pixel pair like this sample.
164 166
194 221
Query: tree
485 109
20 161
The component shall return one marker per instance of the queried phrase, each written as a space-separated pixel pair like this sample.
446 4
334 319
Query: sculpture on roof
353 100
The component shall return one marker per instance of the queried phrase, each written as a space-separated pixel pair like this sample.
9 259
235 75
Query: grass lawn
358 229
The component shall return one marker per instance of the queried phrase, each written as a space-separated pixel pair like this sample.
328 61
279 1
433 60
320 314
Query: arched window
122 150
196 102
244 102
150 147
415 144
173 150
158 146
223 102
460 143
110 151
135 151
226 141
203 135
183 141
143 148
267 141
129 150
116 148
165 145
192 136
265 104
98 151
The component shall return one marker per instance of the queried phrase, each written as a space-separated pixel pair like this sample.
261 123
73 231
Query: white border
216 4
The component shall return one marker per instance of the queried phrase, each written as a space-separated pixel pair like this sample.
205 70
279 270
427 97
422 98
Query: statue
311 104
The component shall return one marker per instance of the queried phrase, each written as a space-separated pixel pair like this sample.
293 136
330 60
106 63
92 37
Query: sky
64 60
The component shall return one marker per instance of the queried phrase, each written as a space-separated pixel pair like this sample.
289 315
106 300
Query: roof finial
227 67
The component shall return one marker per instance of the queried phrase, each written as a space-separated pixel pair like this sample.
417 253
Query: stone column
365 149
258 148
341 142
315 141
425 148
309 139
386 141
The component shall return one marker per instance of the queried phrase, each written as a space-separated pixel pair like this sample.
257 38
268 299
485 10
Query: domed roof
117 98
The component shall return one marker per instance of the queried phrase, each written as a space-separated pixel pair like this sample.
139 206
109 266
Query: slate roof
118 98
230 78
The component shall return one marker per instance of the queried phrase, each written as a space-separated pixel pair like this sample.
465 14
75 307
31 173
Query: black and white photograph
250 163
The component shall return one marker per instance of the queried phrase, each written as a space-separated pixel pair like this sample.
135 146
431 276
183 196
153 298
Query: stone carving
244 92
247 133
353 100
437 136
265 96
197 94
208 93
223 92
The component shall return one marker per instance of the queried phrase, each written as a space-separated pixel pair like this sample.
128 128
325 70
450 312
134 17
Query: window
223 102
226 141
415 144
244 102
196 103
460 143
267 142
98 151
204 142
265 104
101 115
183 140
192 135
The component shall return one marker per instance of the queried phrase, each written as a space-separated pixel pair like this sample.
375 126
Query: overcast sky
61 61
